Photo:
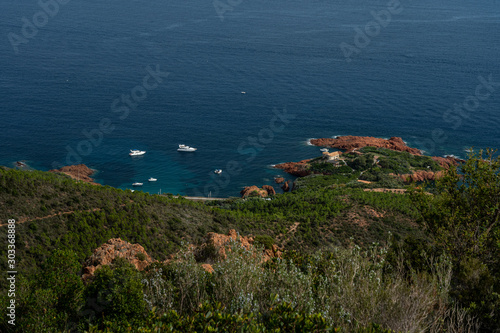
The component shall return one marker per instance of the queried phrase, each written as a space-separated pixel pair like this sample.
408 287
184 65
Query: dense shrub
115 293
265 240
350 288
463 219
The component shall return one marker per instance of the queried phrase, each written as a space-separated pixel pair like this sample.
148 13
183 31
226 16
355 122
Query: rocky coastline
351 144
77 172
297 169
347 144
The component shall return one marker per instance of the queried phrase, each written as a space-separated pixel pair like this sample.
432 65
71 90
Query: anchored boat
186 148
135 152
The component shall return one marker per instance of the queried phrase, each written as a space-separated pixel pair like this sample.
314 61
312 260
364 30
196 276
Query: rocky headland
77 172
350 143
297 169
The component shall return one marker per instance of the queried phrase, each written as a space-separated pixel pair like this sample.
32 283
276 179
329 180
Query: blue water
283 54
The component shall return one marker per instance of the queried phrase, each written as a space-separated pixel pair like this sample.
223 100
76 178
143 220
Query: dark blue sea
85 82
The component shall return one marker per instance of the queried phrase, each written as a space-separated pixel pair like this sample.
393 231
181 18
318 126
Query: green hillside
55 212
318 225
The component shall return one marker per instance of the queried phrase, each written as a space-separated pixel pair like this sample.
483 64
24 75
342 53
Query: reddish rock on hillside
298 169
350 142
253 190
208 268
112 249
137 256
421 175
270 190
221 243
448 161
78 172
272 253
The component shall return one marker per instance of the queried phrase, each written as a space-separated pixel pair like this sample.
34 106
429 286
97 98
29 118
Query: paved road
201 198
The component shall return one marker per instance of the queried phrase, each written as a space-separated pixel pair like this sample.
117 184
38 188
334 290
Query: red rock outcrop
286 186
78 172
137 256
208 268
298 169
421 175
112 249
279 180
221 243
446 162
253 190
270 190
273 253
350 142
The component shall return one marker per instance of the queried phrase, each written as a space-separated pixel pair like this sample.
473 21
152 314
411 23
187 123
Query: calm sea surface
307 68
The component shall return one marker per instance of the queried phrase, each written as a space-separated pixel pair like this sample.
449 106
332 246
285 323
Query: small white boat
324 149
243 92
137 184
186 148
218 171
152 179
135 152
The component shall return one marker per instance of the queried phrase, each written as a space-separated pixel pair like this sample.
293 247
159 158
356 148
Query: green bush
330 169
265 240
141 256
463 218
50 300
115 293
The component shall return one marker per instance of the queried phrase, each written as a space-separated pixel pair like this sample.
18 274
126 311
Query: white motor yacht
152 179
186 148
218 171
137 184
135 152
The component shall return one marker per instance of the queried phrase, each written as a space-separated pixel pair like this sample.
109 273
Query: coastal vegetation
374 167
353 259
